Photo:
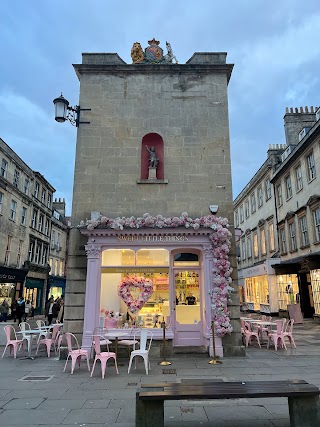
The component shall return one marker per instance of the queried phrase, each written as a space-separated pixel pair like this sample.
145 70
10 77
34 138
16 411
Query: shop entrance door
188 321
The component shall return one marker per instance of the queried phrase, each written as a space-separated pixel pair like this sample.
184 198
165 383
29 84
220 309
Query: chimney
59 205
295 121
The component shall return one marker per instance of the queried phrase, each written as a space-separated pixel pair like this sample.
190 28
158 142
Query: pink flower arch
220 242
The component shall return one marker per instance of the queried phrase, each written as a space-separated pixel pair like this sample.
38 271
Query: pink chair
48 342
75 354
249 334
102 356
289 331
15 343
277 336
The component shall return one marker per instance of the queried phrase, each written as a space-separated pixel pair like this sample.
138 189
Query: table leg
29 351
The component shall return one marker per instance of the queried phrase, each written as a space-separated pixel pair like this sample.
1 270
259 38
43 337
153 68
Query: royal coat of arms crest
153 54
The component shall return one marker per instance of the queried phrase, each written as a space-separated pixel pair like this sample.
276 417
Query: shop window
315 283
186 259
152 257
257 290
118 257
152 140
152 264
288 290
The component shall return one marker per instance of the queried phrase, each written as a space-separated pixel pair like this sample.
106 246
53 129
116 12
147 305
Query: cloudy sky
274 45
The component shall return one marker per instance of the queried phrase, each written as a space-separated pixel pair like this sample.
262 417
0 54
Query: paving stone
93 416
30 417
62 404
237 413
99 404
23 403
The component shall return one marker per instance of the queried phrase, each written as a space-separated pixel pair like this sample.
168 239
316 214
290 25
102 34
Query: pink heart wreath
145 286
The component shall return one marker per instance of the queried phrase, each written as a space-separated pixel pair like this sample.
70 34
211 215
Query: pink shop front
179 265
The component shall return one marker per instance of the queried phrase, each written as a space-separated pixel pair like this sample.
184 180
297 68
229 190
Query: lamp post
64 112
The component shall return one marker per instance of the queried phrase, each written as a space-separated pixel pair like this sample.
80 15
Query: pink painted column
92 300
207 268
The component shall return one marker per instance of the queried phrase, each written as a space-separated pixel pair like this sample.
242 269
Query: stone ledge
152 181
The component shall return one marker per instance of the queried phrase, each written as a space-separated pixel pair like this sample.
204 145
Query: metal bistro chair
24 326
103 356
12 343
75 354
143 351
132 341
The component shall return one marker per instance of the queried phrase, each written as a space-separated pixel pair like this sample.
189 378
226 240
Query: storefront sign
157 238
12 275
135 270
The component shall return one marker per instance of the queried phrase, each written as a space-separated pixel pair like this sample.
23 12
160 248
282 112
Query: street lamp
63 112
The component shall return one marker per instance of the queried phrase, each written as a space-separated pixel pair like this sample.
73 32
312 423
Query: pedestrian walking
61 311
48 310
27 309
20 309
14 310
5 310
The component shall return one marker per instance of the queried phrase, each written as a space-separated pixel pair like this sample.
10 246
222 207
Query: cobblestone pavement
78 400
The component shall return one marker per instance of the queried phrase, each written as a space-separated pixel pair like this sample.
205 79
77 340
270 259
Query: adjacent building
27 219
58 250
278 213
152 158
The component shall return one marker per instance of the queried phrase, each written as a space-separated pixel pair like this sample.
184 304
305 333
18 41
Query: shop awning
12 275
299 264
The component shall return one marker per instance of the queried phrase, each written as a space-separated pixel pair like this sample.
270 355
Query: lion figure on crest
137 53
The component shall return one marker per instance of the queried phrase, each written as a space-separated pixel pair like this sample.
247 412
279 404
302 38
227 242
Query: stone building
58 250
254 214
26 221
128 113
290 176
297 189
16 180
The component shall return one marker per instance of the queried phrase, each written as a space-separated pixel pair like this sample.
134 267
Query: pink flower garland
220 242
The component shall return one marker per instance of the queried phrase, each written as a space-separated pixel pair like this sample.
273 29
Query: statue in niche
153 158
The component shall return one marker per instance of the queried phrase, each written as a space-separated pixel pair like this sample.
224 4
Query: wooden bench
303 398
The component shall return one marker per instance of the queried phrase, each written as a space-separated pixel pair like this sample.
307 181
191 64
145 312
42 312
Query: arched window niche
156 141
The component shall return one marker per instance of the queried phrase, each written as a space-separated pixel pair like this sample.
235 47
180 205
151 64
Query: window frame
279 195
288 187
268 189
283 241
260 197
311 167
299 178
247 208
304 233
272 246
255 245
24 212
36 189
253 202
1 201
13 210
316 223
4 168
263 243
293 236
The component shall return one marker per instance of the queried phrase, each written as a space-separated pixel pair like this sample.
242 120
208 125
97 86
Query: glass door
188 322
